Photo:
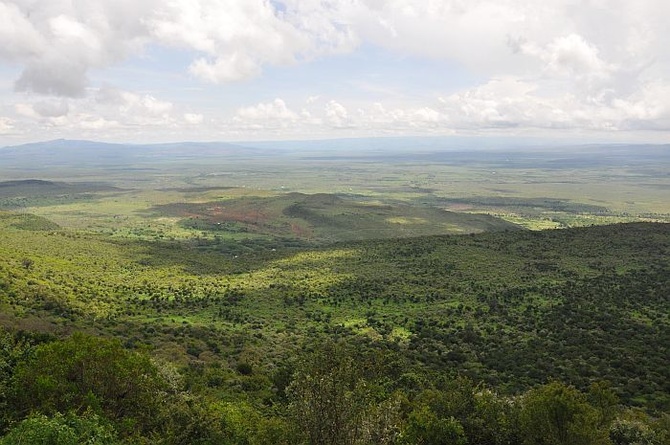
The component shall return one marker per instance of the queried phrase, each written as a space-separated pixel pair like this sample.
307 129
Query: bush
60 429
85 373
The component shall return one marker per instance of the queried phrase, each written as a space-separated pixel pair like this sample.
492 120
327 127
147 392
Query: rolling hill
323 218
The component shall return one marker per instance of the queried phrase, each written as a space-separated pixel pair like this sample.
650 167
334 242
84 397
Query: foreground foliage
335 396
496 338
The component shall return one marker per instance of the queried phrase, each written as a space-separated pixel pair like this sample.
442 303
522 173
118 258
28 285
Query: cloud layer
594 65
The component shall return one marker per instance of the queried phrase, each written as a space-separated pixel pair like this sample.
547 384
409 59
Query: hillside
324 218
509 310
87 154
36 192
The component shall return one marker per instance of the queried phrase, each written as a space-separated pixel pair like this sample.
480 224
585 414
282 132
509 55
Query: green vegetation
323 218
218 305
496 315
537 188
332 397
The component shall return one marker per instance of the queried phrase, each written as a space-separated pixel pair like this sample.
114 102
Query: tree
333 402
425 427
13 350
605 401
631 432
557 414
27 263
85 373
60 429
494 420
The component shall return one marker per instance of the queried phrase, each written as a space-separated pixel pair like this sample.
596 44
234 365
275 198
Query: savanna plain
368 291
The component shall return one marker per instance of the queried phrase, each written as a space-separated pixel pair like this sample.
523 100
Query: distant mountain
495 153
63 152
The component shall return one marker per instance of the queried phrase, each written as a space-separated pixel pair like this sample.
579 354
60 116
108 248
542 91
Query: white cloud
228 68
105 109
54 75
19 37
139 107
498 103
426 115
334 116
58 41
6 125
193 118
51 108
26 110
236 37
326 25
572 55
593 64
337 115
43 109
96 123
509 102
269 112
648 109
475 32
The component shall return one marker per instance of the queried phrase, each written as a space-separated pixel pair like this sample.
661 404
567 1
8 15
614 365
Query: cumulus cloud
551 64
509 103
143 107
499 103
6 125
43 109
58 41
475 33
336 114
647 109
228 68
107 108
26 110
96 123
236 37
572 55
19 37
193 118
268 112
52 108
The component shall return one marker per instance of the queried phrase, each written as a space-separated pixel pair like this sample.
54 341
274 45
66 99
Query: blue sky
153 70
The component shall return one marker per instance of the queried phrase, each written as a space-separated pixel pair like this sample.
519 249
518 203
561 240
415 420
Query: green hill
324 218
36 192
436 321
509 308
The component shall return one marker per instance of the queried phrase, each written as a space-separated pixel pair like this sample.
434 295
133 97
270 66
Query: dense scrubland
406 341
192 310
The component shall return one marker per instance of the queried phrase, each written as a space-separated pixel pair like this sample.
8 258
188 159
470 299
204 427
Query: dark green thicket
557 337
85 389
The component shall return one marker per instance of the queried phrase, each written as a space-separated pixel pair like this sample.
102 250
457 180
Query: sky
235 70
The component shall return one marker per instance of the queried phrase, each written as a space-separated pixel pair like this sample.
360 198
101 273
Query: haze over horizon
236 70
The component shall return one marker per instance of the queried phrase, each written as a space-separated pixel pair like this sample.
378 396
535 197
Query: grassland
537 189
489 305
226 269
